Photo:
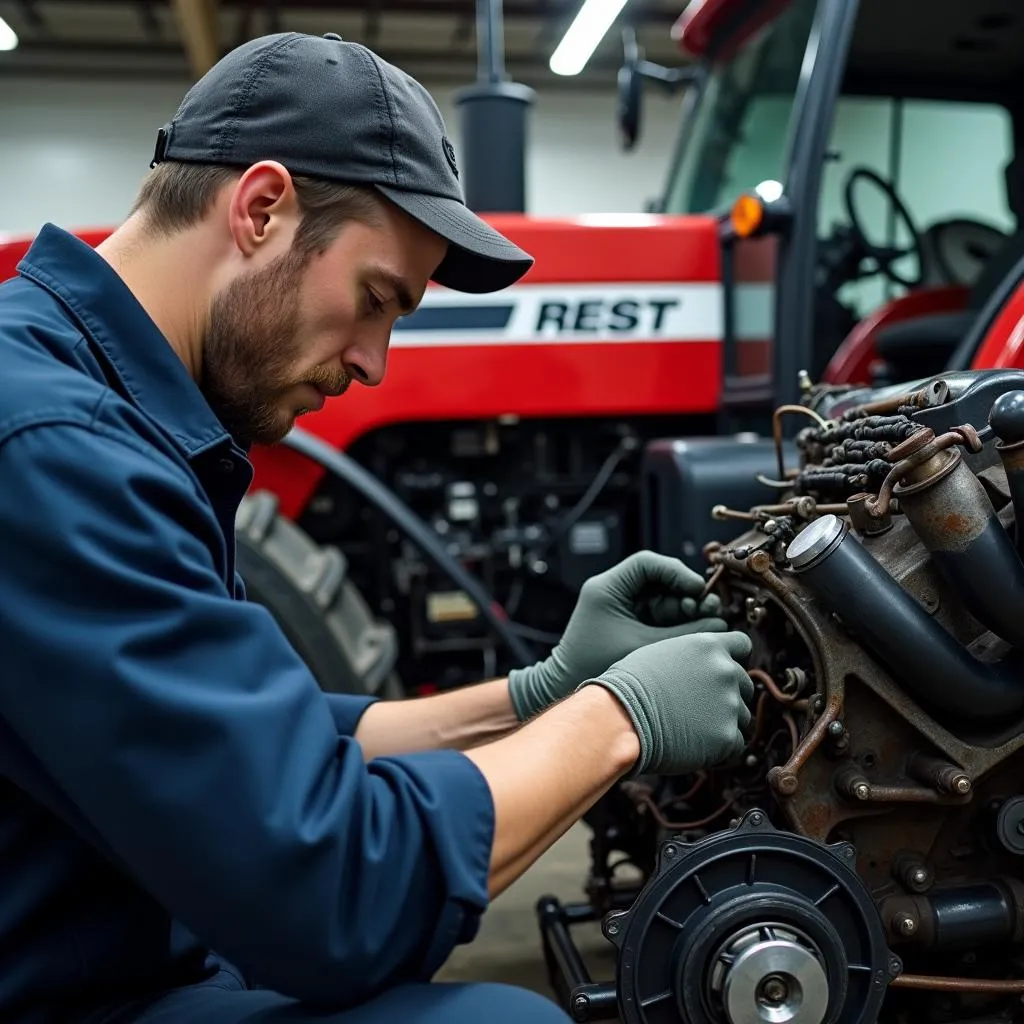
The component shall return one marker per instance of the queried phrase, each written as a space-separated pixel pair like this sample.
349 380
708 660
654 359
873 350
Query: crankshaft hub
771 974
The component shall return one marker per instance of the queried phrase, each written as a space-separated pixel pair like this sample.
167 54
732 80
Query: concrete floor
508 948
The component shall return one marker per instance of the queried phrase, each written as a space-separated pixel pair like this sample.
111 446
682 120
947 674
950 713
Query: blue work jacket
177 795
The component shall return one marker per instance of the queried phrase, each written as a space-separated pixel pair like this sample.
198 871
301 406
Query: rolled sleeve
198 747
347 709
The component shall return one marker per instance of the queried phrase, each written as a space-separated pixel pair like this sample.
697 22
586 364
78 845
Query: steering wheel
884 255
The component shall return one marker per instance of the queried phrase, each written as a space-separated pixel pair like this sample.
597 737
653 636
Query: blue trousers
480 1003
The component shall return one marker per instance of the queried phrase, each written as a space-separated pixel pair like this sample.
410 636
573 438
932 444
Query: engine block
882 584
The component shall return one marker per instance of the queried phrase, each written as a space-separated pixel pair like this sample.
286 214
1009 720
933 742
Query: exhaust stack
494 123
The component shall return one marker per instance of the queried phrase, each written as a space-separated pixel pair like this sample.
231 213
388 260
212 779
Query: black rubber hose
956 522
389 504
924 657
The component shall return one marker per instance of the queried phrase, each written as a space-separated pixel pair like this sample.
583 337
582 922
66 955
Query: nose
366 364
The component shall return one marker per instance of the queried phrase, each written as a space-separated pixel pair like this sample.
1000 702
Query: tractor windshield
737 137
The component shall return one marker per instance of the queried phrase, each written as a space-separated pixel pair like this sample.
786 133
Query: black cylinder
956 522
972 915
928 662
1007 417
1007 422
494 139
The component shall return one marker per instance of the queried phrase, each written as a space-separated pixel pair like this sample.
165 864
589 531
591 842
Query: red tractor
817 400
515 425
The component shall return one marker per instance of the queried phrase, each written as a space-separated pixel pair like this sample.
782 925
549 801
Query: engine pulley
752 926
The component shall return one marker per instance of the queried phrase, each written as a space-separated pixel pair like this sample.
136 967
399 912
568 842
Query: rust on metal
786 779
950 509
943 984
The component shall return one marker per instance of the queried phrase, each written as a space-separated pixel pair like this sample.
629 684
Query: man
191 830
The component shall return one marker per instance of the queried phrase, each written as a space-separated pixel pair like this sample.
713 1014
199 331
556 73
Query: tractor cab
862 157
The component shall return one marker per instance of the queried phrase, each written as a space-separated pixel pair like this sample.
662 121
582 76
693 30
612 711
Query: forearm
546 775
458 720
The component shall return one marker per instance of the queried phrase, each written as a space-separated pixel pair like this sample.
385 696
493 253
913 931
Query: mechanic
191 829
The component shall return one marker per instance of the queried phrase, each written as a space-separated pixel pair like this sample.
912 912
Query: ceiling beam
111 55
513 9
197 22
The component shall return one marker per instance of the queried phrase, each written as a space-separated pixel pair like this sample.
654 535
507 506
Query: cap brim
479 258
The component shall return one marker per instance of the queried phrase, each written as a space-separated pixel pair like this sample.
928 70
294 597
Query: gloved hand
645 598
687 699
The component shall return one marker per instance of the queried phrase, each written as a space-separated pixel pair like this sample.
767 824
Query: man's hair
176 195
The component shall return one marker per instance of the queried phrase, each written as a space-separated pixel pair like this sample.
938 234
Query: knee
499 1003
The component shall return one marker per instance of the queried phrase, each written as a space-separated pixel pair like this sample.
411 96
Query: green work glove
687 699
644 599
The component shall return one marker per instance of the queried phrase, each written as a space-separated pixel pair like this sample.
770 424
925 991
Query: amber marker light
747 215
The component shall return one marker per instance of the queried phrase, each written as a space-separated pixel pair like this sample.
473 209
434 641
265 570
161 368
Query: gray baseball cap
328 108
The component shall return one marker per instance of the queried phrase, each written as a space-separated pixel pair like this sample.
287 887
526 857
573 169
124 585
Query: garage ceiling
432 39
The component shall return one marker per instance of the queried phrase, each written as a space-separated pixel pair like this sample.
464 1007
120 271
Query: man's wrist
613 727
525 690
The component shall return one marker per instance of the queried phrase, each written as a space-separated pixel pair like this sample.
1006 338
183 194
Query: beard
249 352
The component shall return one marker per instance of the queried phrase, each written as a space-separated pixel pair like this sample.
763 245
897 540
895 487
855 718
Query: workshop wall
74 151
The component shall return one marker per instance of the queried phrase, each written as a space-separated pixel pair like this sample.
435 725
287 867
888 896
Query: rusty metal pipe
1007 421
984 986
954 518
928 662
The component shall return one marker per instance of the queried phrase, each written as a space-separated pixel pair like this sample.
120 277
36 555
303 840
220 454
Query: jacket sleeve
197 746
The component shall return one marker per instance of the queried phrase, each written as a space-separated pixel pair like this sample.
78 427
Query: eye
374 304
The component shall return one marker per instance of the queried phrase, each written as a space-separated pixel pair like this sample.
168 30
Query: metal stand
583 998
494 120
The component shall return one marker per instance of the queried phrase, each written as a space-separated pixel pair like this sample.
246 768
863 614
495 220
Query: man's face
285 337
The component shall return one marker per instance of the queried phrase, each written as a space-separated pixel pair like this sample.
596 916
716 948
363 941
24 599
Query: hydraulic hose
1007 422
924 657
389 504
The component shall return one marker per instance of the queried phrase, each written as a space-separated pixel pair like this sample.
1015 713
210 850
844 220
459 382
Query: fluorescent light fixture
589 27
8 37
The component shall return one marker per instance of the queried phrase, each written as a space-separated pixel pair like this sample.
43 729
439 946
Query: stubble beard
250 348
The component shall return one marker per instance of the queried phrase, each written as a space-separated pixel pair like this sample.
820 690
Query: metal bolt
849 853
783 782
670 851
895 966
774 990
581 1004
862 791
919 876
962 784
760 562
756 818
751 762
613 928
835 729
905 924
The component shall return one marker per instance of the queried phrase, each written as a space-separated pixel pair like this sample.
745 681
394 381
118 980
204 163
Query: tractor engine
531 507
863 858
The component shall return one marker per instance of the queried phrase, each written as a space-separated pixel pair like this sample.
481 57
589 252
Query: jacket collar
149 371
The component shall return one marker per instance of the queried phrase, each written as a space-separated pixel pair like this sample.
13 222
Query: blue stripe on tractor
456 318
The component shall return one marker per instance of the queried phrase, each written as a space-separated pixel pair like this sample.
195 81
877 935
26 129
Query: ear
262 206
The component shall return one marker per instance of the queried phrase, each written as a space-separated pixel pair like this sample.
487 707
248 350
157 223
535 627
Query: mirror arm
669 78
